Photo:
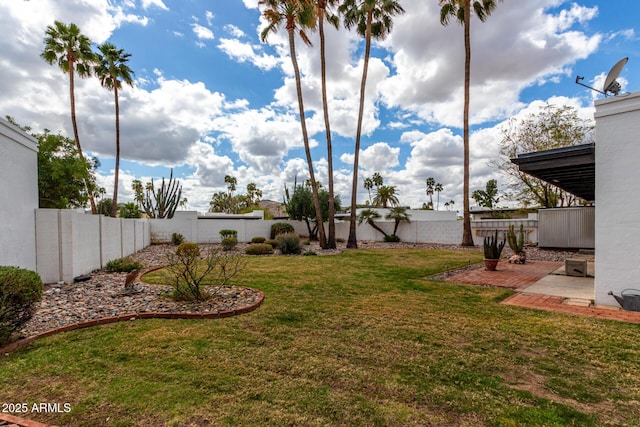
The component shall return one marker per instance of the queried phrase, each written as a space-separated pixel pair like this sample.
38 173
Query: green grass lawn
359 339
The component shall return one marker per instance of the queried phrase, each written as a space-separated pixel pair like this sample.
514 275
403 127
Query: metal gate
567 228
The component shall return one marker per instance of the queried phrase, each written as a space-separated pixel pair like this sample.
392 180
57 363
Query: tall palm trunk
305 137
467 237
331 241
114 206
353 241
74 123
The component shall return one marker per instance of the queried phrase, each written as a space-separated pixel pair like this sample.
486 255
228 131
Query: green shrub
339 240
273 242
289 244
309 253
307 242
391 238
281 228
188 249
228 233
20 290
177 238
258 249
123 265
258 239
228 243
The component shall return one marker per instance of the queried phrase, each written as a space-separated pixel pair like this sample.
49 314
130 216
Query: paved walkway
530 282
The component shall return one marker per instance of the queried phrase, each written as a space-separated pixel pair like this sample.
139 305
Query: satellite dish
610 83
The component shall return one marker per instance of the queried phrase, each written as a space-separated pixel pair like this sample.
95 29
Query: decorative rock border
133 316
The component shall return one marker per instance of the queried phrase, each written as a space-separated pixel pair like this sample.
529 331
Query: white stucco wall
18 196
617 237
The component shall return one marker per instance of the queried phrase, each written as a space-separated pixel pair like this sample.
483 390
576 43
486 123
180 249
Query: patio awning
572 169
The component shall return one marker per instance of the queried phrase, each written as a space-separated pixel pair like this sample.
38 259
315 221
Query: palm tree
398 214
361 14
368 185
370 216
431 183
296 15
112 70
461 11
71 50
385 195
323 13
438 188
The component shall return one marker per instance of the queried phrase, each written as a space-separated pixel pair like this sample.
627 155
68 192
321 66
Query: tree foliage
300 206
487 198
551 127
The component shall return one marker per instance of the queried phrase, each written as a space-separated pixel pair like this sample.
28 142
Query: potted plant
492 251
517 245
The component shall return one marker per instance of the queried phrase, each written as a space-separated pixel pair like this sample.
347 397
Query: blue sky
211 100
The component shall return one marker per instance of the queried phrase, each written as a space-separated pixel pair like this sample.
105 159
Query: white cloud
202 33
146 4
246 52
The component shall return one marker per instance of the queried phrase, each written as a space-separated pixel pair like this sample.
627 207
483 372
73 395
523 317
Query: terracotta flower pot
491 264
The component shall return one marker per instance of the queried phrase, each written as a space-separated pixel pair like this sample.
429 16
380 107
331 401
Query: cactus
162 203
493 248
516 244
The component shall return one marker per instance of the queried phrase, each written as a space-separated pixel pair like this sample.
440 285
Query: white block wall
71 244
18 196
617 238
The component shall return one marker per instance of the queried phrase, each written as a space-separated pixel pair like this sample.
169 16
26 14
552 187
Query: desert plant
228 243
20 290
123 265
516 243
273 242
309 253
258 239
289 244
281 228
391 238
188 249
160 203
188 271
228 233
259 249
177 238
493 247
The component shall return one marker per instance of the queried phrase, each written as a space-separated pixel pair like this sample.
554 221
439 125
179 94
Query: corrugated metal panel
567 228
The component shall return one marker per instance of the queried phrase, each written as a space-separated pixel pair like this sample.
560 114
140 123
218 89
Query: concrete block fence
70 244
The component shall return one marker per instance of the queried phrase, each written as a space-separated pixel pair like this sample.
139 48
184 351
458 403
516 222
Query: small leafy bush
289 244
391 238
258 239
225 234
307 242
339 240
309 253
281 228
259 249
197 278
228 243
188 249
20 290
177 238
123 265
273 242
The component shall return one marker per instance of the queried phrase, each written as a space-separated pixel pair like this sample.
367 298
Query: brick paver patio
517 277
514 276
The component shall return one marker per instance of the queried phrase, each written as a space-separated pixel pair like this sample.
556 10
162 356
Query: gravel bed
103 295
